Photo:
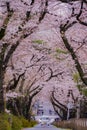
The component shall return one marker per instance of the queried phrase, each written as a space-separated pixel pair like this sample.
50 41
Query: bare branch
52 75
16 81
78 16
44 11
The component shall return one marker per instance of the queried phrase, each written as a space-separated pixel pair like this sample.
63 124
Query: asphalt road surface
44 127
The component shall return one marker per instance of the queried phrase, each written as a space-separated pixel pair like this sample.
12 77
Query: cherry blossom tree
6 51
39 37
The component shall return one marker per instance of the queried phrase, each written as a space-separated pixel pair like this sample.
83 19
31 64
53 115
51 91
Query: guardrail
74 124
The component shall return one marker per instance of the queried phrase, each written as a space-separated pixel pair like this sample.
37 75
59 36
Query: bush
4 122
32 123
11 122
4 125
16 123
4 116
25 123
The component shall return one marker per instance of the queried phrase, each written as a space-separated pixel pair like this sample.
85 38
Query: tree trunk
2 71
73 55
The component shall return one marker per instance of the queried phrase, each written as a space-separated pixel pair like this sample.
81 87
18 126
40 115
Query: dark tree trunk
57 105
2 72
32 2
63 29
8 6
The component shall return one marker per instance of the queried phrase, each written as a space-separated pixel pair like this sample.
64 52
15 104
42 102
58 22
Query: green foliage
76 77
11 122
32 123
59 51
4 116
4 122
38 41
4 125
6 21
25 123
79 87
84 91
16 123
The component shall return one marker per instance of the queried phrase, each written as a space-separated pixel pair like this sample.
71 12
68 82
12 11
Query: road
45 127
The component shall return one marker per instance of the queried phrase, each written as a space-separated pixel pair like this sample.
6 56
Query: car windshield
44 118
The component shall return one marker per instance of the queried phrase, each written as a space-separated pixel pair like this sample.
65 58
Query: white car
44 120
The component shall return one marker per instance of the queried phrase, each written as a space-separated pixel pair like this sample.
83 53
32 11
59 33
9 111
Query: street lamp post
78 111
78 106
68 112
70 106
